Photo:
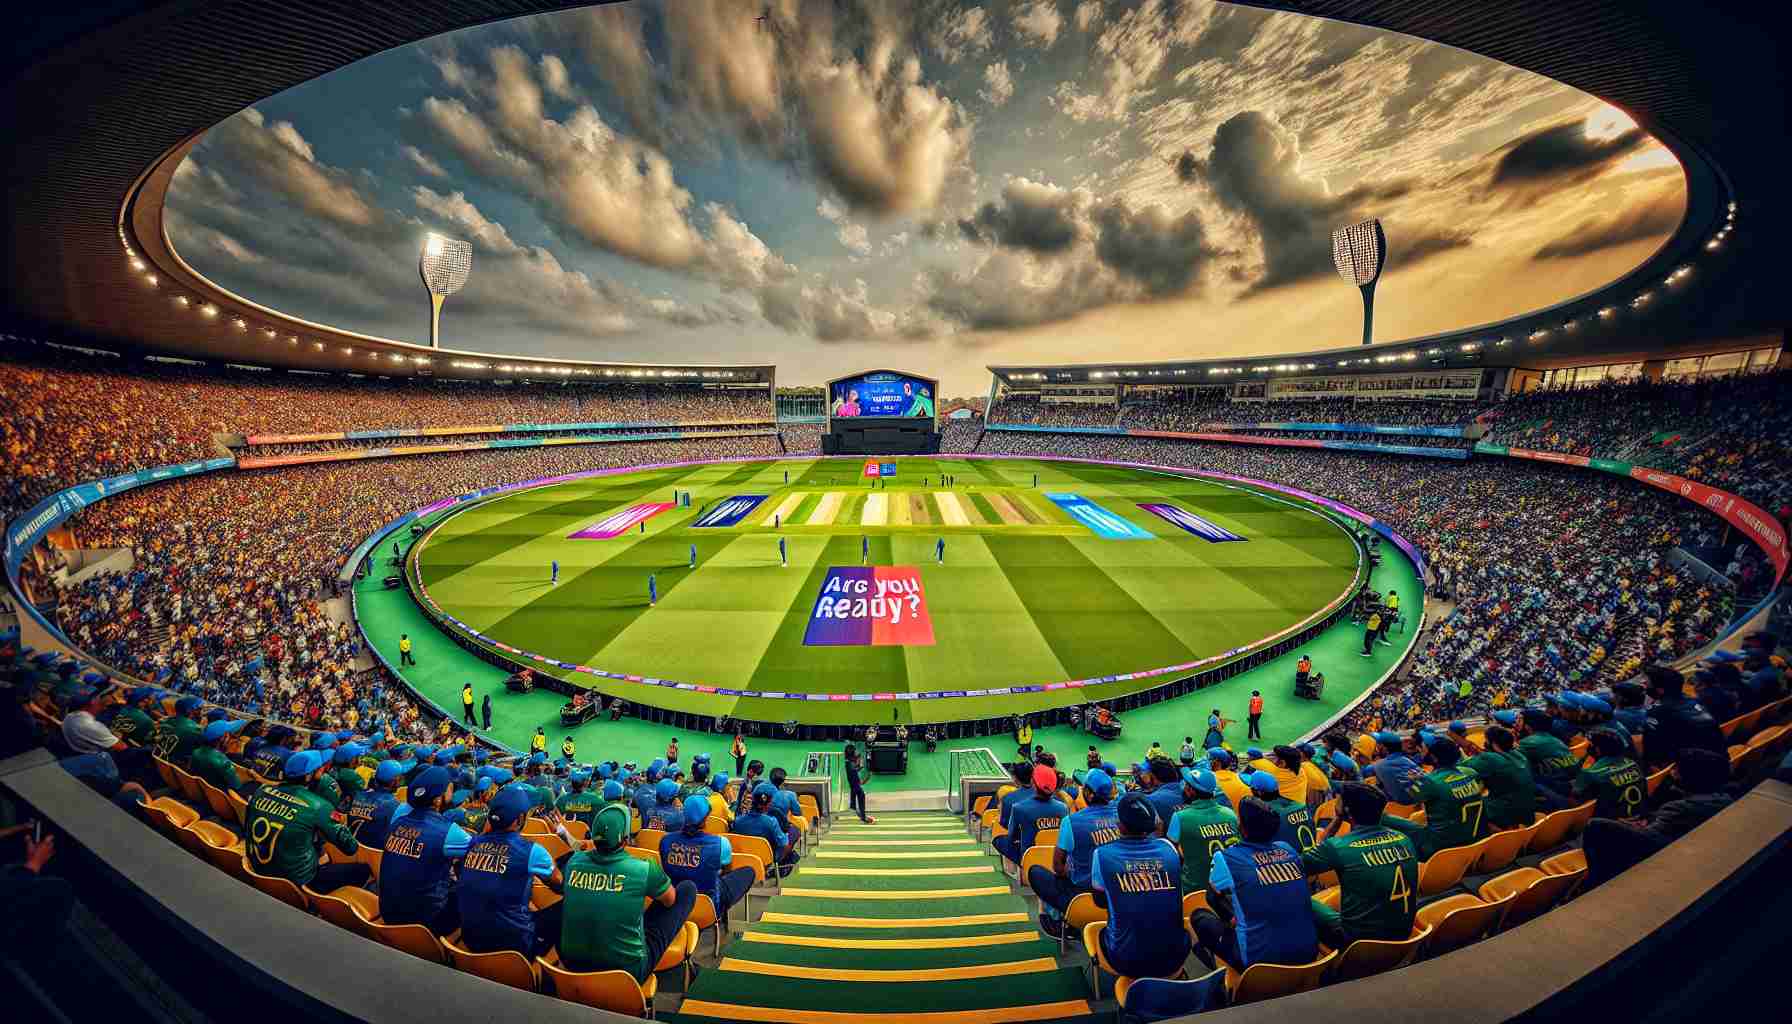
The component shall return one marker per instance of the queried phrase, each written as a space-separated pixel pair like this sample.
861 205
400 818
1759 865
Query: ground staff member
1261 912
497 876
602 927
704 859
422 846
1072 861
1135 877
466 704
286 824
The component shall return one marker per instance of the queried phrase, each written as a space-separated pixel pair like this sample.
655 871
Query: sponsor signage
870 606
1202 528
620 522
730 510
1105 524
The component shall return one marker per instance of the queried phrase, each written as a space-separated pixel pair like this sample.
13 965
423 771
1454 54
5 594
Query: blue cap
537 758
612 790
302 763
1201 780
484 784
459 797
511 804
1111 769
388 771
481 755
1391 739
218 730
1140 769
1308 749
1506 717
188 705
430 783
700 770
696 810
137 693
1725 656
764 789
1263 782
1425 736
1099 781
449 753
216 713
348 753
503 776
656 767
603 771
323 741
666 790
425 751
1595 705
719 782
1459 728
1218 753
1253 753
580 775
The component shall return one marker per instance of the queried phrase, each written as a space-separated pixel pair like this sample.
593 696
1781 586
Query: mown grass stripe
855 855
901 842
885 872
895 894
828 921
1036 965
934 942
994 1015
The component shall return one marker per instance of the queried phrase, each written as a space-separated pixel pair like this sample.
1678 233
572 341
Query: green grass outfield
1027 594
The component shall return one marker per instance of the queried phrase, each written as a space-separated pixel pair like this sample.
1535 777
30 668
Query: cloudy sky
835 185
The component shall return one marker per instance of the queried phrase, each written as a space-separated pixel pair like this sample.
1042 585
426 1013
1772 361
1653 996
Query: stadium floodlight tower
1359 252
444 264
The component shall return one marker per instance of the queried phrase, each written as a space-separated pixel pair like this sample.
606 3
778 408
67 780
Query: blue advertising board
1103 523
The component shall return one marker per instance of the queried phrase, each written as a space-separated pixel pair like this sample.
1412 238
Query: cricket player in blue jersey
653 590
864 550
939 551
783 556
693 556
554 571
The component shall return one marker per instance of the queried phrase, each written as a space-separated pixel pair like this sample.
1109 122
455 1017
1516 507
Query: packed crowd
1206 408
802 438
224 598
1550 591
75 415
352 445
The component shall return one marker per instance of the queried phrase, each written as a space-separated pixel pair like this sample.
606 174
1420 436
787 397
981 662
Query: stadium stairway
905 921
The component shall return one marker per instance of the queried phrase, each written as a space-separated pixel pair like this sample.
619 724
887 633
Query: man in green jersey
176 736
1553 767
344 760
602 926
208 761
1614 780
1455 804
287 824
579 803
1378 871
132 722
1203 827
1511 794
1297 818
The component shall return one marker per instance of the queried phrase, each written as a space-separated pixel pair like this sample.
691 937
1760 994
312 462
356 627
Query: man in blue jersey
1138 877
1257 889
939 551
1166 793
1022 771
864 550
422 847
644 796
758 821
693 556
372 809
783 554
1078 838
1394 769
704 859
497 878
1040 809
665 814
554 572
653 590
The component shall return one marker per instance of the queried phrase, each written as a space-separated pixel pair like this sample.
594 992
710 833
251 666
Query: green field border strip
529 659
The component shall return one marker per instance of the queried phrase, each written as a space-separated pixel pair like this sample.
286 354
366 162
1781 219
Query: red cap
1045 779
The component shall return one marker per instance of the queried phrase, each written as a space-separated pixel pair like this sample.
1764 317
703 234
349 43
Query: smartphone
37 831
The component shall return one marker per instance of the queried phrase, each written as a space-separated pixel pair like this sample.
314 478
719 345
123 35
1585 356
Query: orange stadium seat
507 967
615 991
1267 981
1455 921
1365 957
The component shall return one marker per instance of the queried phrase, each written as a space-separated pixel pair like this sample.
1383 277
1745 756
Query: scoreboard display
881 411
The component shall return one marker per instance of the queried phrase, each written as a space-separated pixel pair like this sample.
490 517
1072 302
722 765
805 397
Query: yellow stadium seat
1554 829
979 805
507 967
646 855
1098 961
169 815
715 824
680 952
239 807
1446 867
1568 862
188 784
1036 855
1400 810
988 820
345 912
1046 837
615 991
1536 892
1455 921
1267 981
1499 850
1081 913
577 829
555 846
1325 811
1191 902
648 839
533 826
414 939
761 850
1656 778
1366 957
191 842
811 809
166 770
216 799
703 915
216 836
748 860
369 854
228 859
279 888
541 897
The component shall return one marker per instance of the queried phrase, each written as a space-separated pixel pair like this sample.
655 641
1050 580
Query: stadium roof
104 99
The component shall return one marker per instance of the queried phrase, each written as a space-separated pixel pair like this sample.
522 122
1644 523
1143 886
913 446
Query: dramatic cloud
854 236
279 159
1255 170
1653 220
1038 21
1561 154
1130 53
961 33
423 161
1189 167
998 84
1088 13
1165 254
1035 216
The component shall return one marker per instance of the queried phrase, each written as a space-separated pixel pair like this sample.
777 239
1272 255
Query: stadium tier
588 635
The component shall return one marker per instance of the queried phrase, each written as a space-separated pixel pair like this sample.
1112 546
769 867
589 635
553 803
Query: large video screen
882 395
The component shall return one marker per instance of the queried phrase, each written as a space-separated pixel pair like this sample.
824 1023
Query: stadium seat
1554 828
1536 892
1365 957
577 829
541 897
1656 778
239 807
228 859
1455 921
811 809
1499 850
703 915
680 952
616 991
345 912
1192 902
1081 913
279 888
715 824
1155 999
801 828
217 801
1036 855
188 785
987 821
648 839
533 826
216 836
1400 810
760 850
1046 837
1098 961
368 854
166 771
647 855
1568 862
978 806
169 815
1325 811
191 841
1445 868
507 967
1267 981
414 939
555 846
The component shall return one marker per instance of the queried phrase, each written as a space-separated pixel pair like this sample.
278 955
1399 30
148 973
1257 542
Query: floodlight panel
445 264
1358 252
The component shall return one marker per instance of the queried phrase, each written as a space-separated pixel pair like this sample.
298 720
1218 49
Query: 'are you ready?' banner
870 606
